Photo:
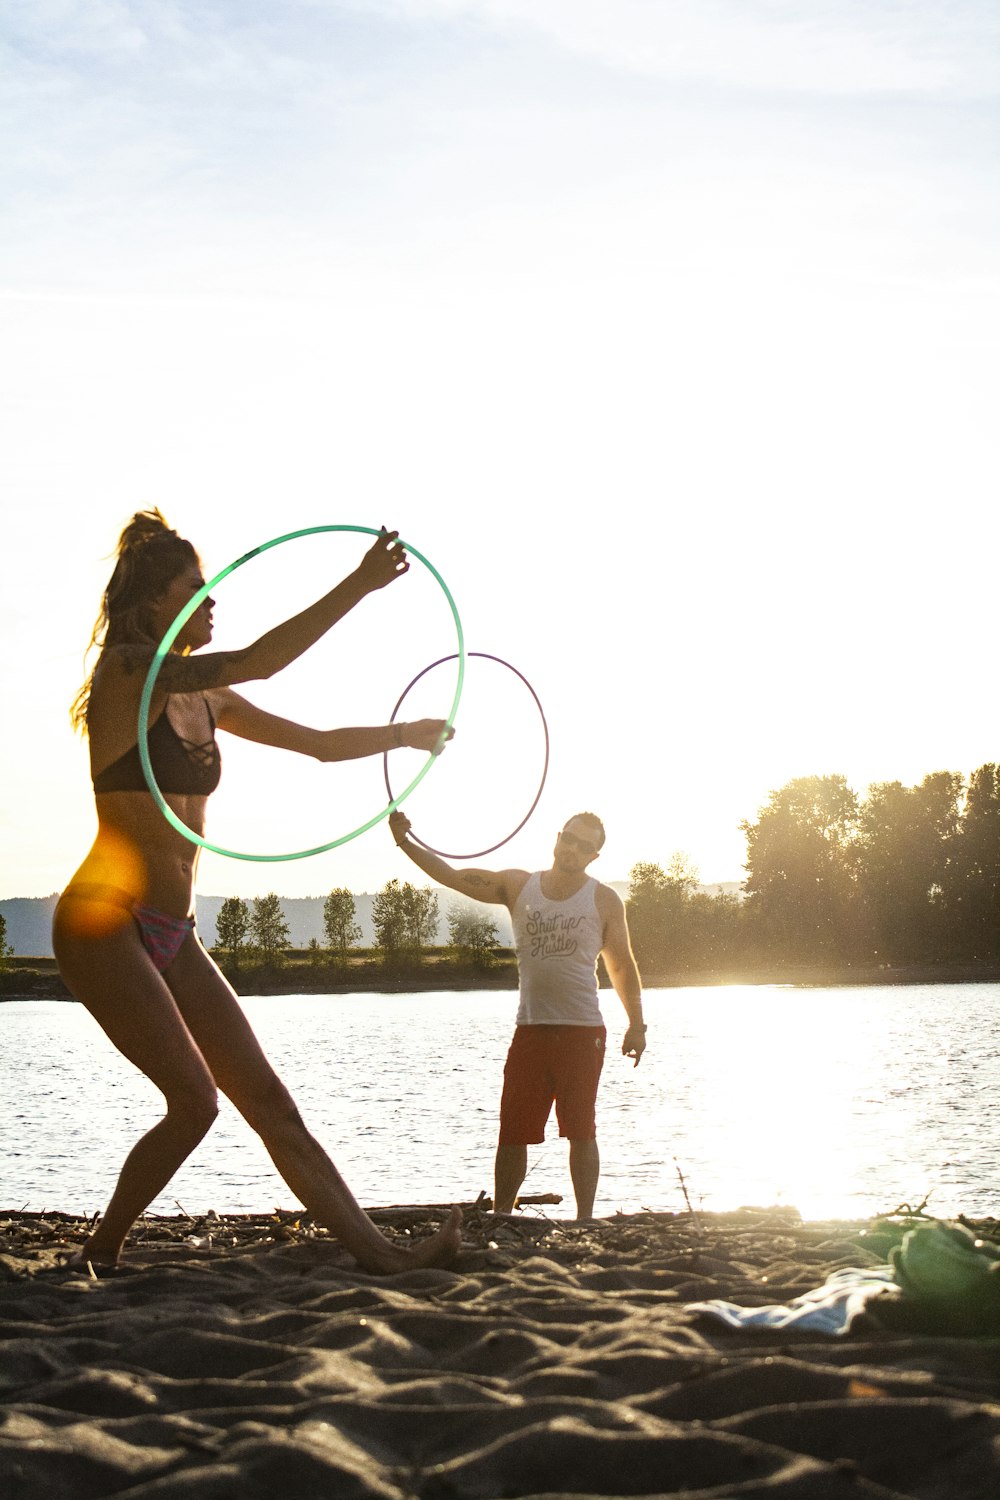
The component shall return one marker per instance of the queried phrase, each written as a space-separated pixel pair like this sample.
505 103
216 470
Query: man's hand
399 825
634 1044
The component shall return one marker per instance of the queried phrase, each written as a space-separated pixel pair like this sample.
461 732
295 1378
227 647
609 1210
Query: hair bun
145 526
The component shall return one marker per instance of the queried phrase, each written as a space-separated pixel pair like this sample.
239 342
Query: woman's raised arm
384 561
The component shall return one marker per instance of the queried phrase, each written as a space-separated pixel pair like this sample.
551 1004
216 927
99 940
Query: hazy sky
666 331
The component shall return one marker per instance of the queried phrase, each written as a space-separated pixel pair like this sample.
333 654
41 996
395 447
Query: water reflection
841 1102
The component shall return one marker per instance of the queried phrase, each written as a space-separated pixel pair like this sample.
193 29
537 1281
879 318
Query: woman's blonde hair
150 555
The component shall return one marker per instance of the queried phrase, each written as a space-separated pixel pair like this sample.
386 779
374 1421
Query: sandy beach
248 1357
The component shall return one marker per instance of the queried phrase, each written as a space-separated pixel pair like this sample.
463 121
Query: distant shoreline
38 978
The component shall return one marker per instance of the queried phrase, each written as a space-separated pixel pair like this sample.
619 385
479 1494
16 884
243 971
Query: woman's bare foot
91 1263
439 1249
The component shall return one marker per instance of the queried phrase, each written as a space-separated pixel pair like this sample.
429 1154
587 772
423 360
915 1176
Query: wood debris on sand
243 1356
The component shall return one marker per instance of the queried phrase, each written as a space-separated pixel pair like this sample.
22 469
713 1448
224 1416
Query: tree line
903 876
404 918
6 949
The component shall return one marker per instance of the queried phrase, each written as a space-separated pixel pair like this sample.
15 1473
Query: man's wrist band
397 734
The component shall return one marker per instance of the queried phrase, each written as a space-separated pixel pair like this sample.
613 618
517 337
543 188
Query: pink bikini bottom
161 934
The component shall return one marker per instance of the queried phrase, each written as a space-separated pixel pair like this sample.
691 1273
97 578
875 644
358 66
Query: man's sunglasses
575 843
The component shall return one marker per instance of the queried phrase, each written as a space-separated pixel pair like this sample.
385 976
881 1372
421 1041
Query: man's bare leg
510 1171
584 1169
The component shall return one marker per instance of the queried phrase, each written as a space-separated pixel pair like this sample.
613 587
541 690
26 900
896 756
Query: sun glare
782 1100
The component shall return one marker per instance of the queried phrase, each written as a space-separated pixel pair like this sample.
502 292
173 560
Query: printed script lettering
551 937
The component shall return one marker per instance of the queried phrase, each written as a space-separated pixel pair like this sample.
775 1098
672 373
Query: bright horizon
668 334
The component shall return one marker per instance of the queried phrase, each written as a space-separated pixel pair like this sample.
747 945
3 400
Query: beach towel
939 1279
830 1309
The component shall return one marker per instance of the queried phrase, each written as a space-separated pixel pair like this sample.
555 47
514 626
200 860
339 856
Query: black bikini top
178 765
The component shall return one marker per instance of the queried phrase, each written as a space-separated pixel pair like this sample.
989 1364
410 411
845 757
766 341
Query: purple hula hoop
485 655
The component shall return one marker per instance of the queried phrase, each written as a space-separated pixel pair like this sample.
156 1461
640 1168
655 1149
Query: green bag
944 1265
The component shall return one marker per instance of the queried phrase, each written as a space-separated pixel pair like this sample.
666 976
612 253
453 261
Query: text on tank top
557 945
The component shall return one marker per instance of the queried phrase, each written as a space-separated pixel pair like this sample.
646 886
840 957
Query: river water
841 1102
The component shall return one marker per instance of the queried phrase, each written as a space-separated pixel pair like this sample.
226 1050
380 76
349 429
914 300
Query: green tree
647 914
972 882
421 916
473 934
659 903
715 929
232 928
388 922
682 873
907 837
404 919
6 949
269 931
801 870
339 923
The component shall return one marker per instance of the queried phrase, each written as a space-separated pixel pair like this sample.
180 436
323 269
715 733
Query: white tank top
557 944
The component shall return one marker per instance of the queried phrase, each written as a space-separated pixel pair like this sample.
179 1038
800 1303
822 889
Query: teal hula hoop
177 626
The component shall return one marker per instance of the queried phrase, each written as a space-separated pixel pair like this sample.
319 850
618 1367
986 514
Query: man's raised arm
497 886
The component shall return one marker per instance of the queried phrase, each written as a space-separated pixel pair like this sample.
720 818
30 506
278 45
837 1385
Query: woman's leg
243 1073
113 977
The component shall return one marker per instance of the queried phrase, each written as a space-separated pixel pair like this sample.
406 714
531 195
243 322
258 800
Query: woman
124 932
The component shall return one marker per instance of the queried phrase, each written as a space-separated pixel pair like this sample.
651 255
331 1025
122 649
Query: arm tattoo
133 658
185 674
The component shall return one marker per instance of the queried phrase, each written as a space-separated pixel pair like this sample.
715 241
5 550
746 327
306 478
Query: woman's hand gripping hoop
394 802
181 620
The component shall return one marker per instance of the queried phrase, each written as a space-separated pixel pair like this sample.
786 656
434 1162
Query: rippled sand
245 1357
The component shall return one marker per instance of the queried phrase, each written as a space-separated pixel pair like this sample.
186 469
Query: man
563 920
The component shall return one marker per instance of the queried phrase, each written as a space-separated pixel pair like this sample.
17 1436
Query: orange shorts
546 1065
